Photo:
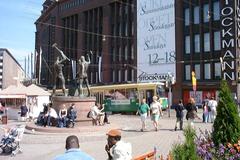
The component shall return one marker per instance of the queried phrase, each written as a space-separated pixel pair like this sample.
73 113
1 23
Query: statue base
82 105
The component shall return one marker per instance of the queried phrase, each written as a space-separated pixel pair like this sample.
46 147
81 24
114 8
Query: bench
145 156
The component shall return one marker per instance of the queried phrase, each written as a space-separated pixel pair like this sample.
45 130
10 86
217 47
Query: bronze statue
82 74
58 71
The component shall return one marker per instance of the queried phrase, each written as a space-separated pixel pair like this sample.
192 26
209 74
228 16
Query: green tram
126 97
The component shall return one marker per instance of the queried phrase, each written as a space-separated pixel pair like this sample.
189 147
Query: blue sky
17 29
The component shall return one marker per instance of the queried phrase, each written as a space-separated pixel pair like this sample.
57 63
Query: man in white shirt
51 114
117 149
96 114
213 106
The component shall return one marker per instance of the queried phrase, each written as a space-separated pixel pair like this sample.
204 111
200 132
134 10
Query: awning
13 96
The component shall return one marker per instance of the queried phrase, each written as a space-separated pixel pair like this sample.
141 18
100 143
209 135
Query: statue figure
82 74
58 71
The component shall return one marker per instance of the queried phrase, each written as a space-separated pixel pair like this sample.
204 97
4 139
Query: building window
132 52
196 43
217 42
114 54
132 28
196 15
217 71
186 16
126 29
113 76
126 75
206 42
96 78
119 76
205 13
197 71
132 75
187 44
216 11
207 71
126 53
119 54
91 74
187 72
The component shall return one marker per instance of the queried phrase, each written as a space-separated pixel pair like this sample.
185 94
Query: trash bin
4 119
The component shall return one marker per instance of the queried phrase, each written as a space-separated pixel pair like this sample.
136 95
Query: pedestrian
156 111
72 150
213 107
144 111
96 115
179 115
23 111
116 148
191 111
205 112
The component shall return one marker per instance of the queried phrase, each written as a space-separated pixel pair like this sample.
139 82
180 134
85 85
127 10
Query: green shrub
187 150
226 127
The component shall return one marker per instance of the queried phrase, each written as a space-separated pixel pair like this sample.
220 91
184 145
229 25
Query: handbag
89 115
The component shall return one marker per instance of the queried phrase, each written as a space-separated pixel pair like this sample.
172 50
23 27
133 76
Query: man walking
179 114
72 150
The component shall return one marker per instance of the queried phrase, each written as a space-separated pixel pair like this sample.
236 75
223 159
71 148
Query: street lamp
170 80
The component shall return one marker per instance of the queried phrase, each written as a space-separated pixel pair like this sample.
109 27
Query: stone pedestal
82 105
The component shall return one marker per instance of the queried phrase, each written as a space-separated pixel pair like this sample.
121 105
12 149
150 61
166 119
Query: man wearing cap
119 149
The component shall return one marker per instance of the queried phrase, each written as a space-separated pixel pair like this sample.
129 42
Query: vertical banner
74 69
228 38
100 68
194 81
155 39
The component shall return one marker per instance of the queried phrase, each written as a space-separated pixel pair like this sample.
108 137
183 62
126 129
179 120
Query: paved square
45 146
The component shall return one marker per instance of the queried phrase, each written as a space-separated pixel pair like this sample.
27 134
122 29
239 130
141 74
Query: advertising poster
155 39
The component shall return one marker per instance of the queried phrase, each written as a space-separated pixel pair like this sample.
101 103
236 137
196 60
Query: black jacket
179 110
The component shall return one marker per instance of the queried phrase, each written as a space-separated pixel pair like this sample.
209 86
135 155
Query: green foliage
187 150
226 127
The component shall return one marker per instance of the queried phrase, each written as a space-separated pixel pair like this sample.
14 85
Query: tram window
160 91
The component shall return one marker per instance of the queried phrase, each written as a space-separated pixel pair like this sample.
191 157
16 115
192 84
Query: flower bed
207 150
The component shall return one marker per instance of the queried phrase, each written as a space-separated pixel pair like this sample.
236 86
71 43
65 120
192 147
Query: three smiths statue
82 74
58 71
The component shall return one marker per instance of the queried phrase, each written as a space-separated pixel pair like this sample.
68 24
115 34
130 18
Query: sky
17 28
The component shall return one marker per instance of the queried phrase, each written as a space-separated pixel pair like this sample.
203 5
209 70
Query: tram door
149 95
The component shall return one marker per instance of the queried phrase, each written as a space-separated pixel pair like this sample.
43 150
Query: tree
226 127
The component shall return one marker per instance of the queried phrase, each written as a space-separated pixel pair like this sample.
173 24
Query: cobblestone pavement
45 146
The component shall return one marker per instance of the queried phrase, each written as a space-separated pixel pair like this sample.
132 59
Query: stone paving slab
47 146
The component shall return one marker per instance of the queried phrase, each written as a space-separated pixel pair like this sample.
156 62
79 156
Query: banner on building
156 39
194 81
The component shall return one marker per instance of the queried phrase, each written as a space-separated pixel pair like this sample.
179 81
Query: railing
152 156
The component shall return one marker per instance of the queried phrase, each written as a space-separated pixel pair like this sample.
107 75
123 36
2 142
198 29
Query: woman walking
191 111
156 110
144 111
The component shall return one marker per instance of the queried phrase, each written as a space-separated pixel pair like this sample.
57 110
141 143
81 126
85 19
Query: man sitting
71 115
51 116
